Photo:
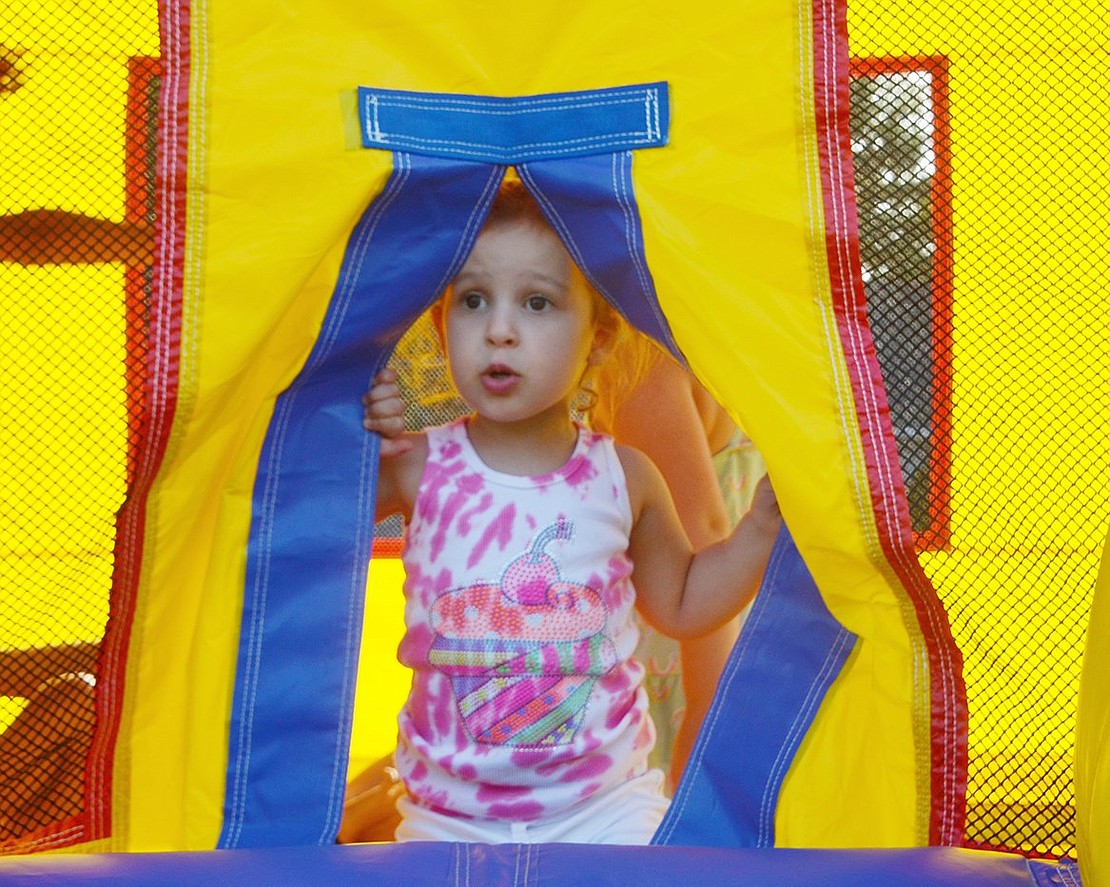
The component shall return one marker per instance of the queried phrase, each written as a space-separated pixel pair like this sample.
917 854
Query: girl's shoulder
642 477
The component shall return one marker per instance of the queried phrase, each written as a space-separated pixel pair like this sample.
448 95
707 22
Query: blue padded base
532 865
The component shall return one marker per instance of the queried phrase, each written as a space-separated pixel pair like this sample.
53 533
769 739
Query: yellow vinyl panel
733 233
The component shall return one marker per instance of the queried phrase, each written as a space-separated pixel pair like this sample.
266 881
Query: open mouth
498 378
499 371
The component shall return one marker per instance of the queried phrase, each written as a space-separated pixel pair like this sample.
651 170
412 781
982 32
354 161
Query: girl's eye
472 301
537 303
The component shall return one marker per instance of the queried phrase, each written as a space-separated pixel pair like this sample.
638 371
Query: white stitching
528 861
375 103
562 146
621 167
506 107
797 729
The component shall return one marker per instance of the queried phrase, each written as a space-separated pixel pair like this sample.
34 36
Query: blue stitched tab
494 129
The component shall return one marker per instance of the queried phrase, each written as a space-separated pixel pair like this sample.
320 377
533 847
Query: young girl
529 541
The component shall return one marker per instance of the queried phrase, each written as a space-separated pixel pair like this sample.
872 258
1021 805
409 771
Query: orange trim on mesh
387 546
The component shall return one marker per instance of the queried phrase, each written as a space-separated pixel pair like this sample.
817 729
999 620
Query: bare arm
22 672
660 418
681 593
684 456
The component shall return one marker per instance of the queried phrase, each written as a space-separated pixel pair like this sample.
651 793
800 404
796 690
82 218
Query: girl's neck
528 448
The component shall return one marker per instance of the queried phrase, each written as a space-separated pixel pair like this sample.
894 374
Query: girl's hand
384 412
765 506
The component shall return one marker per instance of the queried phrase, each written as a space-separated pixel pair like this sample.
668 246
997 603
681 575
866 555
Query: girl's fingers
387 426
394 446
391 409
383 411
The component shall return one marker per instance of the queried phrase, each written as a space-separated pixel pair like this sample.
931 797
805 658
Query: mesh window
981 172
78 92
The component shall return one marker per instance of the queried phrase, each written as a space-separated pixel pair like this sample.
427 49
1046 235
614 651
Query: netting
78 94
979 173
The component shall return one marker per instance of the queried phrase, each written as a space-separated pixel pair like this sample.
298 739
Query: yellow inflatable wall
748 239
275 188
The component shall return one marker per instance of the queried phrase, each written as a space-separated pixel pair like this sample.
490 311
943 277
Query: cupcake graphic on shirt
524 653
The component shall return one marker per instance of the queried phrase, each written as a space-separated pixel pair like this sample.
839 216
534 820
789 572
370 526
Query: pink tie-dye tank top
525 700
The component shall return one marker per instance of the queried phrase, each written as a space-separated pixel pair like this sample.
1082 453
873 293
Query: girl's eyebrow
536 276
547 278
462 275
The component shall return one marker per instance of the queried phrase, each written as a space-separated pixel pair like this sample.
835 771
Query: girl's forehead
519 248
522 230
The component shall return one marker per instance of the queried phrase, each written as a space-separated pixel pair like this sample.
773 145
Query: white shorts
626 814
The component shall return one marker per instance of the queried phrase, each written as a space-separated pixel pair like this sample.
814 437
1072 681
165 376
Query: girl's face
519 324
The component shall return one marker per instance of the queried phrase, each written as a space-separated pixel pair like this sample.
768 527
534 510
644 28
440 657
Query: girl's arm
23 672
684 456
402 453
682 593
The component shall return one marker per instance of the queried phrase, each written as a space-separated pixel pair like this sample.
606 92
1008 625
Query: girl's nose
501 328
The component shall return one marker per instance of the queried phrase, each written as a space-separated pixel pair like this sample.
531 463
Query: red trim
1015 848
142 71
387 546
940 478
948 703
159 343
937 535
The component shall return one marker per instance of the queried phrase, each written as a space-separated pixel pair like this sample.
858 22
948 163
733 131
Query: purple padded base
439 864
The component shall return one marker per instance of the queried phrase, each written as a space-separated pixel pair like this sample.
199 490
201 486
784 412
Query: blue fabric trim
789 652
1064 873
590 202
313 509
442 864
494 129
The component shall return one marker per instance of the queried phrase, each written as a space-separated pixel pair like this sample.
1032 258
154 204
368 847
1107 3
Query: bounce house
874 231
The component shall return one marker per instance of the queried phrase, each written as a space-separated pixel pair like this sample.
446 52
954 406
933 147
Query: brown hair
514 203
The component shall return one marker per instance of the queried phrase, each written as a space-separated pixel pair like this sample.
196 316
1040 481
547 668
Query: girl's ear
606 330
